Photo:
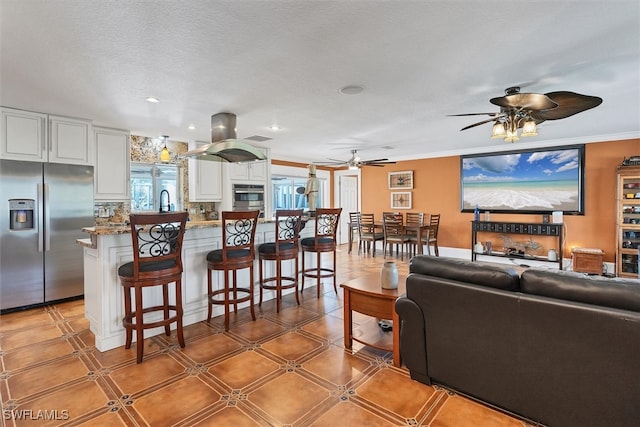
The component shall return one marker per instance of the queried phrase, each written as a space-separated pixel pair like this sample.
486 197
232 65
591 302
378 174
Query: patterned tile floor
286 369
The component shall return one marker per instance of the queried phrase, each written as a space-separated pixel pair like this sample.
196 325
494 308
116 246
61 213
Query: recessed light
274 127
191 127
351 90
152 99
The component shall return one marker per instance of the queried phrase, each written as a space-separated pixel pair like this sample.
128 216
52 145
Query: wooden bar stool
324 240
237 253
157 261
288 224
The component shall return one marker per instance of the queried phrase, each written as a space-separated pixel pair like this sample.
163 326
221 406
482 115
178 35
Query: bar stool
288 224
237 253
157 261
324 240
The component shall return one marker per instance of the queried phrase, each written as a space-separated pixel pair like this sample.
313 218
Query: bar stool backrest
327 223
239 231
288 226
157 244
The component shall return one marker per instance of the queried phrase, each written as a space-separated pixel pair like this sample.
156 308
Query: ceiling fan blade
473 114
373 160
569 103
337 162
377 163
478 124
528 101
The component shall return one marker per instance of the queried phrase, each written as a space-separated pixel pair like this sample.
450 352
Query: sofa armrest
413 345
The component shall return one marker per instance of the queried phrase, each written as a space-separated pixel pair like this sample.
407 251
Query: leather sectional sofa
555 347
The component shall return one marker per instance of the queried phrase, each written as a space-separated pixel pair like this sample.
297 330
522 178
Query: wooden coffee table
365 295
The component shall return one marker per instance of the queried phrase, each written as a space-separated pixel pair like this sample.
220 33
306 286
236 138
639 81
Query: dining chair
414 218
354 228
434 226
394 234
370 233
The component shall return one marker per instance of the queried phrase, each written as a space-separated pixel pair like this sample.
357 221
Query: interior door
348 202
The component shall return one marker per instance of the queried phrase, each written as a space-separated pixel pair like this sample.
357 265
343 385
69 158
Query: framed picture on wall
401 200
401 180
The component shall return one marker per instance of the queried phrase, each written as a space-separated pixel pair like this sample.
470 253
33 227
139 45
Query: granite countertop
119 228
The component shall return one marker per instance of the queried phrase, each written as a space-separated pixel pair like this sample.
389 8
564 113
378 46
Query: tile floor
286 369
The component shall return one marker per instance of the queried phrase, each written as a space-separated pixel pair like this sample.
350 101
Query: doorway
348 196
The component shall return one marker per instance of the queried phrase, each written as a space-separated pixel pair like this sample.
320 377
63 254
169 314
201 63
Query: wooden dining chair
370 233
354 229
432 239
394 235
414 218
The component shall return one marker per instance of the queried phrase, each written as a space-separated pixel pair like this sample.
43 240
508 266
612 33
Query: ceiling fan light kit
527 110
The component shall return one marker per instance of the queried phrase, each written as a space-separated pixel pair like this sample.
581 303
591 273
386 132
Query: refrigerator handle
47 219
40 218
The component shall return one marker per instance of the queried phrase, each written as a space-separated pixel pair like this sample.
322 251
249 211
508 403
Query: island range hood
224 146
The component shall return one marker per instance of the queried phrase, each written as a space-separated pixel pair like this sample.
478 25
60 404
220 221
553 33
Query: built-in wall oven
247 197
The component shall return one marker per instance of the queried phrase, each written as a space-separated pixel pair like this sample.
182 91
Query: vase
389 275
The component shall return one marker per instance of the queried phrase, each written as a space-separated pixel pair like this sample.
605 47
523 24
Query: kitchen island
110 246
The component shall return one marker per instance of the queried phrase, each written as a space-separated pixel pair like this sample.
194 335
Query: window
288 192
148 180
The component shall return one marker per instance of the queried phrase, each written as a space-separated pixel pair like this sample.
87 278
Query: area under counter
103 294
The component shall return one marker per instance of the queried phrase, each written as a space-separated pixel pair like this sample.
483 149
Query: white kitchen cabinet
252 171
112 159
38 137
205 178
69 141
23 135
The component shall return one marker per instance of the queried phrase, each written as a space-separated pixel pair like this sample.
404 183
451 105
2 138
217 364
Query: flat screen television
524 181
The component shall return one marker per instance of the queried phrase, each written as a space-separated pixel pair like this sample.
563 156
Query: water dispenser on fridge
21 214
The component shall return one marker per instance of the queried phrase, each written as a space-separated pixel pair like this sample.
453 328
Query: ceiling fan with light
355 162
526 110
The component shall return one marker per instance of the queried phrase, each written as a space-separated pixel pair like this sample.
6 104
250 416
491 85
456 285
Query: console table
529 228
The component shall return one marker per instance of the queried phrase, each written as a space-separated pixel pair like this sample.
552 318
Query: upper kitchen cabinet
253 171
112 159
38 137
24 135
250 171
69 141
205 178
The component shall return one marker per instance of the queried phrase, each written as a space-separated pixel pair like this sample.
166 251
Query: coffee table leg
348 326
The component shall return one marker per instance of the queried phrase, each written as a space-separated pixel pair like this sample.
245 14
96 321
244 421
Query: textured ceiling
283 62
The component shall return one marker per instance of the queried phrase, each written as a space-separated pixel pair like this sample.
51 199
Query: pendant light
165 157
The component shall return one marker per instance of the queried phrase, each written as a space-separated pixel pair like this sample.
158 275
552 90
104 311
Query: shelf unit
628 221
528 228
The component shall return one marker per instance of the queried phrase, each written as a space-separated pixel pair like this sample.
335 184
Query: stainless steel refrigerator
45 206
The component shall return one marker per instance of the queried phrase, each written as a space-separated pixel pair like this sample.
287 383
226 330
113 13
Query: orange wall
437 190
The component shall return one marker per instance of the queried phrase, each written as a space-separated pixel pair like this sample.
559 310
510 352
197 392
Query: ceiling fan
355 162
526 110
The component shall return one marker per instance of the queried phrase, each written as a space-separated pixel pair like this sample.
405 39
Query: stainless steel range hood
224 145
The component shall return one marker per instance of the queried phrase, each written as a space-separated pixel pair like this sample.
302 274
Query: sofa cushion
491 276
568 285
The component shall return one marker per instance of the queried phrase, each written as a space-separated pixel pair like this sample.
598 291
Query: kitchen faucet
168 205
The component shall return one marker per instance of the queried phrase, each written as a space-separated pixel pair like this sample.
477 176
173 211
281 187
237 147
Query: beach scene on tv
524 181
